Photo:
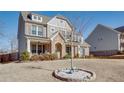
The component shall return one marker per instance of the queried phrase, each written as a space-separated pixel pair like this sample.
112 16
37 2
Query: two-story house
105 40
39 34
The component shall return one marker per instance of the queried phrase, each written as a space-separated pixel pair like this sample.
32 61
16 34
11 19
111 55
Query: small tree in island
71 74
81 28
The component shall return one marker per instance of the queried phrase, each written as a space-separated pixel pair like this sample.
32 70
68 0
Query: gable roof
55 34
66 19
27 17
107 27
102 26
85 44
25 14
120 29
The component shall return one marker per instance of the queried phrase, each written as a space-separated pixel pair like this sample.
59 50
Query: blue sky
10 20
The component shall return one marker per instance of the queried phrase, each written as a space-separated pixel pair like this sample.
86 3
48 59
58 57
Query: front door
59 50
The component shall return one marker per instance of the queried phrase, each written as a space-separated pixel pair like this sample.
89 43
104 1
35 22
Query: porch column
78 48
52 48
72 50
28 46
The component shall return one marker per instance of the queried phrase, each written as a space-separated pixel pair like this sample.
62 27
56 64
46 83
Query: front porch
37 47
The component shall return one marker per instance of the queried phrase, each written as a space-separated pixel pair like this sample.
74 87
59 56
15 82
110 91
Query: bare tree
85 24
13 44
1 35
82 25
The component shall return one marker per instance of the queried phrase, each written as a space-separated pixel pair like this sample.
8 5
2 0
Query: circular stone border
93 76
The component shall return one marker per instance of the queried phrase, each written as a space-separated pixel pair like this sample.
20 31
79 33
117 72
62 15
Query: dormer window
36 18
39 18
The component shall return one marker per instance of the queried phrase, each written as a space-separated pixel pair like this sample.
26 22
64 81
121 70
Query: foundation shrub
53 56
67 56
25 56
46 56
35 58
43 57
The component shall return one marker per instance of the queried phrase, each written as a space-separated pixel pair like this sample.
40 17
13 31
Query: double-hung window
34 30
37 30
40 31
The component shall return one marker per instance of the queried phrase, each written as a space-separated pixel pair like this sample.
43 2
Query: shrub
35 58
41 57
53 56
67 56
25 56
46 57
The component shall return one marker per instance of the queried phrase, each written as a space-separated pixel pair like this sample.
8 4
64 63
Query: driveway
106 70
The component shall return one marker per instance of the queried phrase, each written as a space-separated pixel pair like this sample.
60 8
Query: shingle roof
27 17
100 25
120 29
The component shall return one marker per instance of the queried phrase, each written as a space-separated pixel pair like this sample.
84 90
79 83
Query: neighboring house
105 40
39 34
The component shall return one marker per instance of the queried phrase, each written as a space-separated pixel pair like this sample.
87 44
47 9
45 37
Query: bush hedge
43 57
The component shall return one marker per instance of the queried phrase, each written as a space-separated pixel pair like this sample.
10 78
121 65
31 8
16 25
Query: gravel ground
107 70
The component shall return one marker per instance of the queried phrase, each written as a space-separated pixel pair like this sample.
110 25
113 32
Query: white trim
32 29
119 42
37 20
37 26
28 45
54 36
36 43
